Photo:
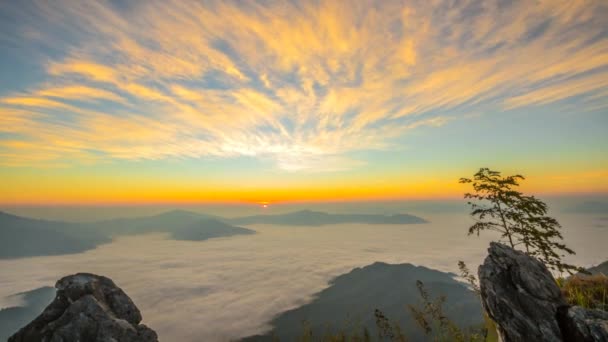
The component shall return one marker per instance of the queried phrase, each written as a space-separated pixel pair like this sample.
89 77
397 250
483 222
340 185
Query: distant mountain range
180 224
318 218
599 269
350 300
23 237
589 207
34 301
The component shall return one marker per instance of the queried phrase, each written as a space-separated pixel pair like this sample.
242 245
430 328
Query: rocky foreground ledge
522 297
87 307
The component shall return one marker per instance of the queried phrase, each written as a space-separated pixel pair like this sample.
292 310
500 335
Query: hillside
599 269
180 224
23 237
351 299
318 218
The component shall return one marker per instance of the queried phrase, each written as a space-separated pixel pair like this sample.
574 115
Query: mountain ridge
353 297
24 237
320 218
27 237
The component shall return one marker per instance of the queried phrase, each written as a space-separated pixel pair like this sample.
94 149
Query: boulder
521 296
87 307
585 325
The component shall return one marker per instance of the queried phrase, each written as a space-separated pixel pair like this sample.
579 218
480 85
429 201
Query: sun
264 204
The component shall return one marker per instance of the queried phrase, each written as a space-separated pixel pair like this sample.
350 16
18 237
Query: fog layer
227 288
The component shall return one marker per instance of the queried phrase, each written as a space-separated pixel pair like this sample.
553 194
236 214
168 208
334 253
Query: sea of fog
226 288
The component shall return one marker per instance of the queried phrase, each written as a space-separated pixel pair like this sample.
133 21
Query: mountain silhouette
351 299
318 218
180 224
24 237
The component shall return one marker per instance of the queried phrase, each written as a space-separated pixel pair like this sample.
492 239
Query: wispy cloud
302 83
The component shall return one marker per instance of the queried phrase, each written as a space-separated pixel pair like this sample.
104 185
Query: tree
520 219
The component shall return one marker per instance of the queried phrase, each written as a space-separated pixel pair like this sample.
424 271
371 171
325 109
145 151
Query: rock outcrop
87 307
579 324
520 294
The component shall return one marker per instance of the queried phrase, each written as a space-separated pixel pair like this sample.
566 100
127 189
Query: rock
521 296
580 324
87 307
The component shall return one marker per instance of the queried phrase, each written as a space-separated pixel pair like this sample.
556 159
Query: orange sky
170 101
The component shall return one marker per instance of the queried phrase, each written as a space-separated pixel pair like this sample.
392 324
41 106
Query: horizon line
273 203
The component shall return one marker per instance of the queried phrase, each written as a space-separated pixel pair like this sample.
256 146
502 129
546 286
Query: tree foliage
520 219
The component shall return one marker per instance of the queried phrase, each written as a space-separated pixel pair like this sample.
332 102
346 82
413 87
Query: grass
588 291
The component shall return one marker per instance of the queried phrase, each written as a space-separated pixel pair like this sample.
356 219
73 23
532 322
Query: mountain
23 237
180 224
354 296
590 207
599 269
34 301
154 223
318 218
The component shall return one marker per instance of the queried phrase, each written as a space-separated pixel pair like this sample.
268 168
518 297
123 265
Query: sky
277 101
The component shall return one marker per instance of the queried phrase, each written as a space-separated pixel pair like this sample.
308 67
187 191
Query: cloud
79 92
224 289
91 70
222 293
297 82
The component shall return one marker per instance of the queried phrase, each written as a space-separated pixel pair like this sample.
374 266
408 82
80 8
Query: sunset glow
267 102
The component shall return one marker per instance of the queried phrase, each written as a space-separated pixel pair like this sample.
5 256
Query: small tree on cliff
520 219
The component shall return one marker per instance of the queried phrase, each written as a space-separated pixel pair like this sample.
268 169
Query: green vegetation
520 219
588 291
353 333
436 325
428 314
489 327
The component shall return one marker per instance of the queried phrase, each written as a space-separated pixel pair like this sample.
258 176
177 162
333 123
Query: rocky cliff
87 307
522 297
